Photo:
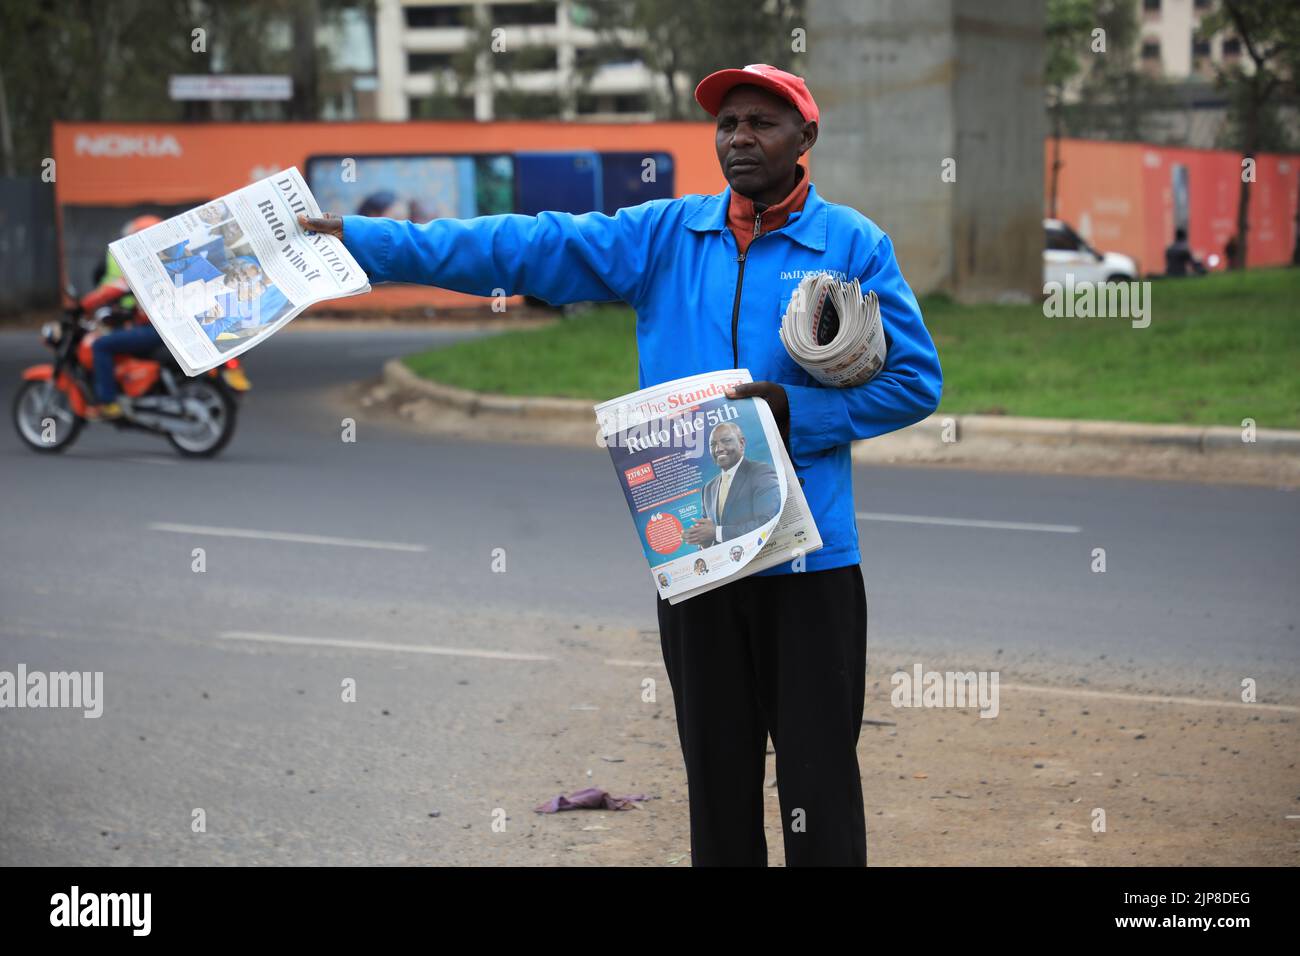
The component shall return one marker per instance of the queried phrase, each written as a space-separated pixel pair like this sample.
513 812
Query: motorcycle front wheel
44 418
210 415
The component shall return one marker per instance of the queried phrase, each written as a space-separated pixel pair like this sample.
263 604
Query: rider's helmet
138 223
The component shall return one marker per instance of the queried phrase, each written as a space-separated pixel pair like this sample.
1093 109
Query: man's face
760 138
246 279
726 445
213 214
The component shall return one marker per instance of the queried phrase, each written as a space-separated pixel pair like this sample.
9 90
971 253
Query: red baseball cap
714 87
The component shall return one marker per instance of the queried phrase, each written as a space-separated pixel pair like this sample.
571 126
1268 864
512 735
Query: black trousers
786 656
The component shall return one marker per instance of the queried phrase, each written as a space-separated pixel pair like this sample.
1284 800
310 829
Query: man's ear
809 137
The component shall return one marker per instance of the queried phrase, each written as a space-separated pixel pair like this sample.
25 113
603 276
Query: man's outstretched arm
558 257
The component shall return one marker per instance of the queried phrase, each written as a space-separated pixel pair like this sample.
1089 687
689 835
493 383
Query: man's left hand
702 533
776 399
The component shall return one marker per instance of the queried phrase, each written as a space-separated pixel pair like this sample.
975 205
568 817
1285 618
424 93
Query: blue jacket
675 262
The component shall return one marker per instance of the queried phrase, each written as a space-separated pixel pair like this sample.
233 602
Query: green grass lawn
1218 349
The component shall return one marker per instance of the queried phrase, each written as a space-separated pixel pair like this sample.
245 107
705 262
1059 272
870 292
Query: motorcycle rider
140 338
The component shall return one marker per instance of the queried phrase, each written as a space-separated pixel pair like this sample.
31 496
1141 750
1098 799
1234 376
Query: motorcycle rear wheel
205 441
43 417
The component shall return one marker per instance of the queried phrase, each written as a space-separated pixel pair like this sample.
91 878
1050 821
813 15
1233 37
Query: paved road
372 561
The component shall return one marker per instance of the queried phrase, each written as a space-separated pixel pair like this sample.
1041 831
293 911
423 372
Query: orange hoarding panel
1099 192
121 163
1130 198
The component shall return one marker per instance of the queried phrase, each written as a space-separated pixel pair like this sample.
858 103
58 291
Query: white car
1068 252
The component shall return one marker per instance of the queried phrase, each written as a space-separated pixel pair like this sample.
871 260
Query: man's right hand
329 225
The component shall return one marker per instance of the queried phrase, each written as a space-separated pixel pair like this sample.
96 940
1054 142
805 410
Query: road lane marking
969 522
285 536
1148 698
381 646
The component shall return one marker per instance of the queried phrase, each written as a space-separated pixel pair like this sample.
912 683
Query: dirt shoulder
1180 783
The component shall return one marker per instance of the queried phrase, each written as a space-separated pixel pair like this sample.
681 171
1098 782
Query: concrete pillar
909 89
390 61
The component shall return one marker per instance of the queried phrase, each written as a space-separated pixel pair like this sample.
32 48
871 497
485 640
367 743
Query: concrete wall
904 85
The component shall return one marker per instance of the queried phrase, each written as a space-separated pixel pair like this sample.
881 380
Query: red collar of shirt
741 212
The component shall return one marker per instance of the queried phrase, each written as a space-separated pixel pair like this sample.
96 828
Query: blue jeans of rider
140 340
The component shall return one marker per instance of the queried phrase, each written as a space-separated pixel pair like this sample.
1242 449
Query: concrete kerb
1069 432
936 438
403 382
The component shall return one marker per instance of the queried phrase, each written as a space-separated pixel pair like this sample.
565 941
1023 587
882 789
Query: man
742 496
783 651
1179 260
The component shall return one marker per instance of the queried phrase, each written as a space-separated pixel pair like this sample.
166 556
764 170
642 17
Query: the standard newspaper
834 331
711 490
218 279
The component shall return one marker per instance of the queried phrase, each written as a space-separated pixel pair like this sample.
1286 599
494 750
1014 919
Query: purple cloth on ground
590 799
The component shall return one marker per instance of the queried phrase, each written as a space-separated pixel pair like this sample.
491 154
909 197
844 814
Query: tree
695 37
64 59
1114 97
1270 32
89 60
1069 28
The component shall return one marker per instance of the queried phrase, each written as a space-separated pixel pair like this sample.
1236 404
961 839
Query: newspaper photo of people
224 285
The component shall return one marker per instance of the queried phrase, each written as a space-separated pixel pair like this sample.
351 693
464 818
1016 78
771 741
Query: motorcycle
196 415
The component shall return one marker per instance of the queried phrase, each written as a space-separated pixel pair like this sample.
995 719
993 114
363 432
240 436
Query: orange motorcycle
196 415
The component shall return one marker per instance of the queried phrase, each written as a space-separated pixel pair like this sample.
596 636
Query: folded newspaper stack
711 490
219 279
833 331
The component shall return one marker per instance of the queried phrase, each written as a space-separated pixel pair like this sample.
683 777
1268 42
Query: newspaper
219 279
694 464
833 331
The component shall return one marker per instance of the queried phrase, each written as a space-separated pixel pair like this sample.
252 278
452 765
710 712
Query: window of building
1151 6
421 17
1232 47
1200 48
594 57
1202 4
619 103
632 103
1150 49
428 62
525 59
505 14
442 106
512 104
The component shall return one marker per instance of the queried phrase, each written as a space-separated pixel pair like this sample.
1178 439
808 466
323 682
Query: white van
1067 252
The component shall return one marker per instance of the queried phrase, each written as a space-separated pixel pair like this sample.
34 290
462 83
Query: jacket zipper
735 306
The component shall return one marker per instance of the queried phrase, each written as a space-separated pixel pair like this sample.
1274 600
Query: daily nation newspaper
219 279
834 331
711 490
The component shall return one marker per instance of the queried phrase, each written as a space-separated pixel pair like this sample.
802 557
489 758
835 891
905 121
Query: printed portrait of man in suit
744 495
